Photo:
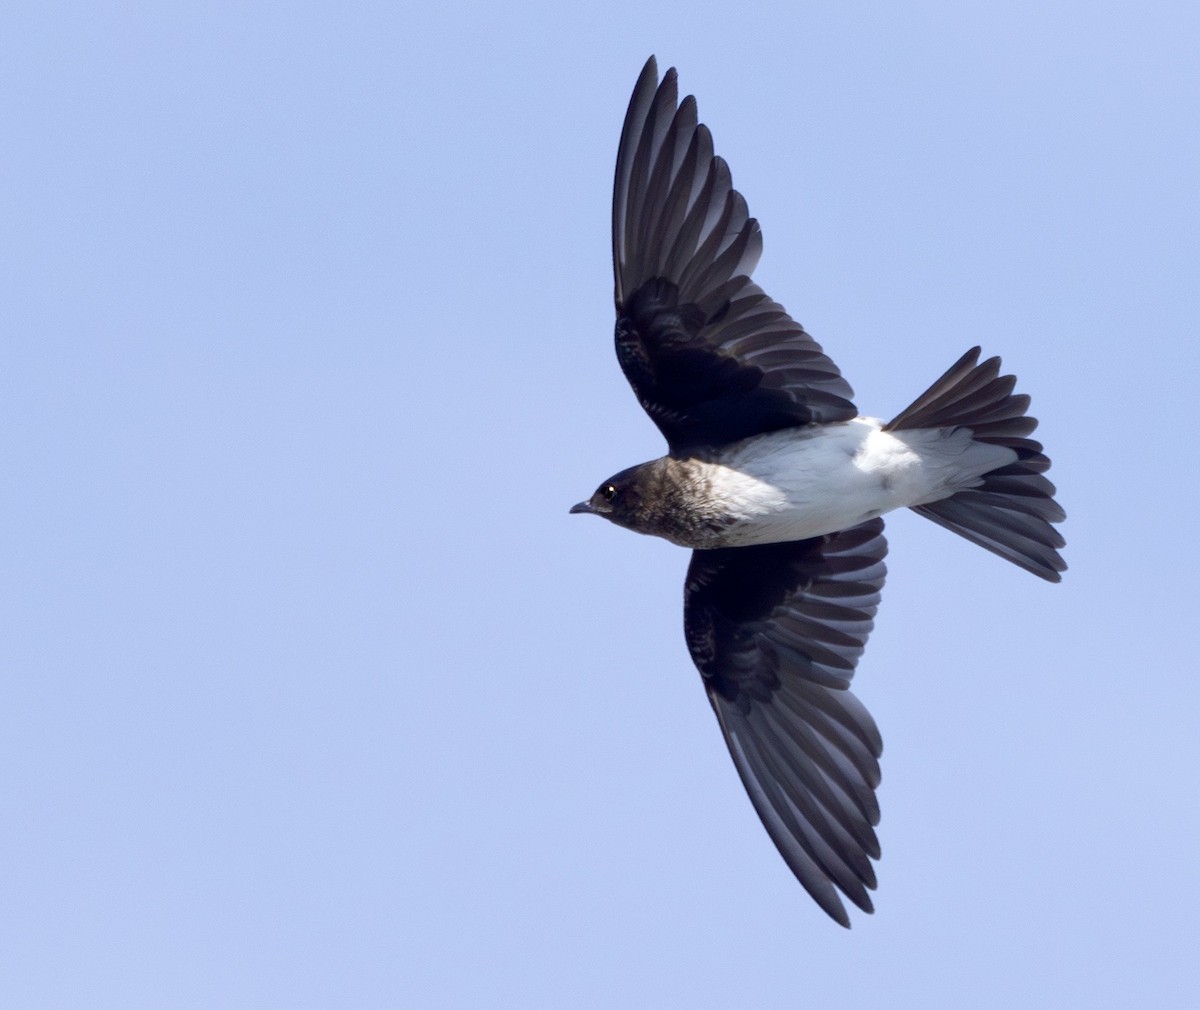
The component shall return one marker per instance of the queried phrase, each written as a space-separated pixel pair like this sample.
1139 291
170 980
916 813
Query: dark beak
583 506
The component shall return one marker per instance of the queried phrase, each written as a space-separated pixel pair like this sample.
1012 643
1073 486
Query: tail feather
1023 539
1011 510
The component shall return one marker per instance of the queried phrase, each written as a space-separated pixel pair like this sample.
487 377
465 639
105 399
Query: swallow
778 486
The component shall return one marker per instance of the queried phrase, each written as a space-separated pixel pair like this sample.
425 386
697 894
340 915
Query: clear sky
311 692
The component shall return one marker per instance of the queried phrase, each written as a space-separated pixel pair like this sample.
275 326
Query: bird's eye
609 491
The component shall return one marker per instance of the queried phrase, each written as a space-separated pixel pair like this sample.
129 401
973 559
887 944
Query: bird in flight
777 484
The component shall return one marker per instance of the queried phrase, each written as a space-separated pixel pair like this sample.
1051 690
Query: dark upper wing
711 358
776 631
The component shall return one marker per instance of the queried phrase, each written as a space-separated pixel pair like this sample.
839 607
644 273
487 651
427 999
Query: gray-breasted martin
777 483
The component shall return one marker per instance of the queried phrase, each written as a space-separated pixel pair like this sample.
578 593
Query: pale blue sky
311 692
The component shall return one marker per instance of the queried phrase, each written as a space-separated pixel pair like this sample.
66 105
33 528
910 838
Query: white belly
801 483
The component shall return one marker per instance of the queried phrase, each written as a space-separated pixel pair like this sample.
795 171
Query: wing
711 358
776 631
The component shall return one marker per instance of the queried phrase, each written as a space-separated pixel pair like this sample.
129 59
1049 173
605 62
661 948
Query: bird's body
805 482
777 483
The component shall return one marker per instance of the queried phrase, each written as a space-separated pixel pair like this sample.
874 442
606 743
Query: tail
1010 512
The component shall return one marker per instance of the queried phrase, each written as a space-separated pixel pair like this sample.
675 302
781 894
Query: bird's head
626 498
